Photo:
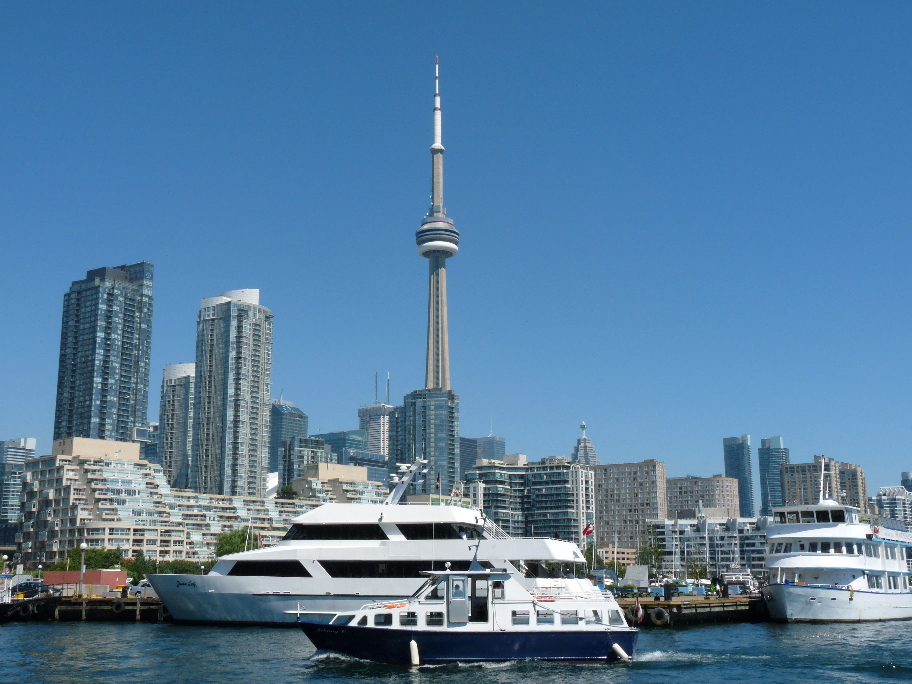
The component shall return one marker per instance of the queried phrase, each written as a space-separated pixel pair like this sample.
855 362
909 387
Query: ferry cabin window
778 548
497 588
408 619
595 617
275 568
383 620
891 552
837 547
812 547
787 548
569 617
824 547
807 516
342 619
416 531
434 619
615 618
780 518
823 516
363 621
801 546
544 617
792 516
520 617
869 550
837 515
299 532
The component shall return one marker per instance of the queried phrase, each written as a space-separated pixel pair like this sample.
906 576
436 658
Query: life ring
117 607
659 617
25 609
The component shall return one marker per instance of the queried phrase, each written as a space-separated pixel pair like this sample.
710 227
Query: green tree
287 492
239 539
95 559
696 569
138 566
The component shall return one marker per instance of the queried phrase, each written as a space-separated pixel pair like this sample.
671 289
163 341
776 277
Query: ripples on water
66 653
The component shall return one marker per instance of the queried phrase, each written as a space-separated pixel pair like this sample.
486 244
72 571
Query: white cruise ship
338 557
826 563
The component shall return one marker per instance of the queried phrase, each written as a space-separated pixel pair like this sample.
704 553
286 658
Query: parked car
33 588
142 589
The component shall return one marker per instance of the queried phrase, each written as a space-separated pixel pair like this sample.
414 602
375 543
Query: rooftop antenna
491 434
375 388
387 387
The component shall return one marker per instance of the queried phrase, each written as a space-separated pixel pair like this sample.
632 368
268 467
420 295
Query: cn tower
438 240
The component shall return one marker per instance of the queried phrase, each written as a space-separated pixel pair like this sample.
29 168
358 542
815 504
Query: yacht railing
494 531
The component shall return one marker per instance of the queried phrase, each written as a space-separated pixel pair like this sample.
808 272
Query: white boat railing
494 531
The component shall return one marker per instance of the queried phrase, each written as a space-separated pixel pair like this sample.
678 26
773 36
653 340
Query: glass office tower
737 453
772 455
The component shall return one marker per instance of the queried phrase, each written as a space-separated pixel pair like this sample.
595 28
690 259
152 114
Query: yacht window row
825 516
373 532
871 550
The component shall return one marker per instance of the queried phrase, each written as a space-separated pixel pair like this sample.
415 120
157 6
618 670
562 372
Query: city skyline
774 138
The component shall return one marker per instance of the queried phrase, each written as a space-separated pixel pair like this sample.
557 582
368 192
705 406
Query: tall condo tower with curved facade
427 425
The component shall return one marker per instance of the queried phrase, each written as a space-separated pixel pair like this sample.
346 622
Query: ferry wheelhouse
828 563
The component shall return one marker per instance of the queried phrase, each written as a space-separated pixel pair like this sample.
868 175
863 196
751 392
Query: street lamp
82 564
39 571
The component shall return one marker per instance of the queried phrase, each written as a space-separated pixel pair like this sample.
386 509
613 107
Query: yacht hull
215 599
465 645
803 603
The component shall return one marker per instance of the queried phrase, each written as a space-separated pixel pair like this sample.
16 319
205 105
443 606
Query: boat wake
693 657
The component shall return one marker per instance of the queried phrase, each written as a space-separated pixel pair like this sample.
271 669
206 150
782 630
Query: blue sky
680 221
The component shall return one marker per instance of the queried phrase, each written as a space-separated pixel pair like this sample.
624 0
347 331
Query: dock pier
684 611
89 609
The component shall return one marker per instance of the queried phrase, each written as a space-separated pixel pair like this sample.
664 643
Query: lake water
766 653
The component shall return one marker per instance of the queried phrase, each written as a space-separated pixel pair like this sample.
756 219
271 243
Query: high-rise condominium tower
737 453
175 422
105 343
231 410
375 420
772 455
584 452
430 417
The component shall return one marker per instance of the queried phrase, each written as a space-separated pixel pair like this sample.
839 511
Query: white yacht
827 563
338 557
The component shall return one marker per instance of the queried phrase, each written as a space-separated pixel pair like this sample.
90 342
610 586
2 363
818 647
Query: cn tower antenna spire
437 241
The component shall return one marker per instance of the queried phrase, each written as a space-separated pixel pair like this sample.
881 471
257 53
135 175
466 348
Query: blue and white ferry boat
827 563
483 615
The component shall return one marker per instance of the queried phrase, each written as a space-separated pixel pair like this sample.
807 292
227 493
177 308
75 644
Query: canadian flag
588 529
